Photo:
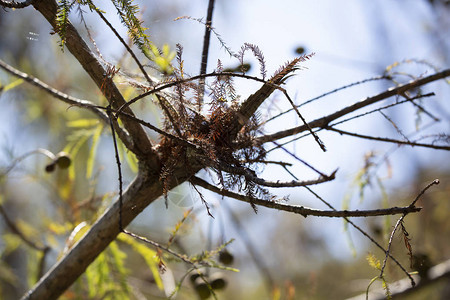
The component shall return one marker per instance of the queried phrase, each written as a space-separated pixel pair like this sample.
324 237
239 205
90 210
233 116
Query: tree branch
205 51
12 226
400 222
145 189
324 121
301 210
141 145
124 136
276 184
54 92
382 139
363 232
326 94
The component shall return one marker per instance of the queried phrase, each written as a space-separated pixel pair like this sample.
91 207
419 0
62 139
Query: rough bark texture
140 193
61 276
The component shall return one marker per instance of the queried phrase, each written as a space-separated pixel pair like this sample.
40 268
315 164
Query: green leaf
162 60
93 150
386 288
7 274
129 156
373 261
83 123
96 275
11 242
62 19
73 149
118 257
11 85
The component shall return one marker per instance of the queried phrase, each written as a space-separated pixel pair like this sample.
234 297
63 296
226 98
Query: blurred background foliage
280 256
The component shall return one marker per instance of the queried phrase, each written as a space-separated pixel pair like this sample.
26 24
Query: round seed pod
226 257
50 167
201 288
300 50
217 281
63 160
193 277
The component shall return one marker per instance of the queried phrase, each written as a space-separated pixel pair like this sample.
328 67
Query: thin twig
328 93
23 156
401 289
179 140
301 210
396 103
324 121
54 92
96 109
382 139
159 246
352 118
182 257
249 175
19 233
119 169
129 50
400 221
413 283
178 81
213 30
321 144
394 125
205 51
297 158
281 163
269 86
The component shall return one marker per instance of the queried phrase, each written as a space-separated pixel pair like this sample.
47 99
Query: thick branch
105 230
145 189
304 211
324 121
141 145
